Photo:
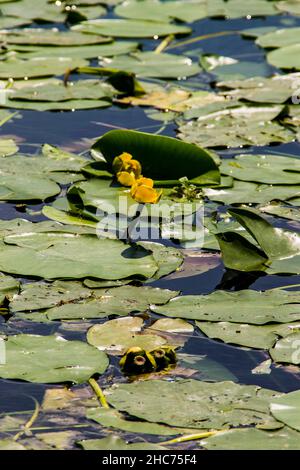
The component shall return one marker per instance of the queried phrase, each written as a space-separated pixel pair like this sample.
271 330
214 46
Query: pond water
74 132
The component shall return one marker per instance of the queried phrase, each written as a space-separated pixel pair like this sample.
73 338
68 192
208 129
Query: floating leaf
50 37
270 169
160 157
188 11
287 409
202 405
253 439
285 57
150 64
287 349
8 147
245 306
279 38
71 256
51 359
110 418
259 337
277 89
116 443
38 67
236 127
117 336
130 28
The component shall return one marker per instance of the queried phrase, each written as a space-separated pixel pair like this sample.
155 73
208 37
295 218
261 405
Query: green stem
98 392
201 38
30 422
190 437
8 118
284 287
162 46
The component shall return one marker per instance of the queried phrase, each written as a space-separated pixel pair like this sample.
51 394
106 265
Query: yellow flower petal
145 181
145 194
125 162
125 178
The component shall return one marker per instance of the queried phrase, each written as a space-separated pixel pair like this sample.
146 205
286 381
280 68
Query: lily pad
150 64
268 169
8 147
189 11
117 336
252 336
236 127
110 418
245 306
71 301
50 37
279 38
38 67
285 57
287 350
130 28
64 255
116 443
262 90
253 439
161 157
246 192
51 359
202 405
287 409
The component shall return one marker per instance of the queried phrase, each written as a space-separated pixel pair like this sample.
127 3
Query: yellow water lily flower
142 191
126 179
123 164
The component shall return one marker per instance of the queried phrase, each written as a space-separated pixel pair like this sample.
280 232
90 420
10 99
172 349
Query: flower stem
98 392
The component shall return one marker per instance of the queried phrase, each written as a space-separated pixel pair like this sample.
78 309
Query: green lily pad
116 443
50 37
81 52
287 350
236 127
238 8
202 405
150 64
253 439
287 409
161 157
243 334
8 147
10 444
279 210
71 301
51 359
82 90
246 306
66 255
285 57
268 169
70 105
110 418
38 67
246 192
289 6
130 28
117 336
187 11
277 89
279 38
